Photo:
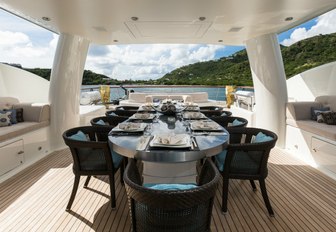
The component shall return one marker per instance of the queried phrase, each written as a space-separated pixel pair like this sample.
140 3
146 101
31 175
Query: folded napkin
171 139
141 116
142 144
129 126
203 125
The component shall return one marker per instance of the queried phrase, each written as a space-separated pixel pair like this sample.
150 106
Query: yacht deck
34 200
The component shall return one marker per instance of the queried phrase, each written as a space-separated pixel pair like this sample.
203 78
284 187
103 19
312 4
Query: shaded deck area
303 199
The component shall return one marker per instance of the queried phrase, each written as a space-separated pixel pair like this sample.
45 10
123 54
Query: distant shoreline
165 86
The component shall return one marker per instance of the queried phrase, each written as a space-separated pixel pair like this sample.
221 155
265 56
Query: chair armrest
34 112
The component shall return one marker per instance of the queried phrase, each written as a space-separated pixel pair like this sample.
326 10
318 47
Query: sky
31 46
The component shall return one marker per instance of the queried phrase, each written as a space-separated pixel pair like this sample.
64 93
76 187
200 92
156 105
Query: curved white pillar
269 80
65 82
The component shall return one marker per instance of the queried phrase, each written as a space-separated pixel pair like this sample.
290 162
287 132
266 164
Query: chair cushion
220 160
171 187
116 159
236 122
261 137
100 122
242 162
80 136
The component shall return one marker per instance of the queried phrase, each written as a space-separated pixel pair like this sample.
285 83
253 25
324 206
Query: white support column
269 80
65 82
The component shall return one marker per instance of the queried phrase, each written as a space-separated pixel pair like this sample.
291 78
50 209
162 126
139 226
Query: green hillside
235 69
232 70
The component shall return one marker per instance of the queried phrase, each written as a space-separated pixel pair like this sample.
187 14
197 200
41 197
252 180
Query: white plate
205 125
141 127
193 115
186 142
141 116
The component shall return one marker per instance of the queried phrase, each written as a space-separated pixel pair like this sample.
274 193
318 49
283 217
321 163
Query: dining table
169 146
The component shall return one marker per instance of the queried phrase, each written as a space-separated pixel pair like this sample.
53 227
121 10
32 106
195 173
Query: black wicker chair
110 121
127 111
214 111
175 210
246 160
211 111
92 157
228 121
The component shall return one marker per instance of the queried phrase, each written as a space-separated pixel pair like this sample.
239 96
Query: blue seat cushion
80 136
172 187
220 160
261 137
236 122
116 159
100 122
242 162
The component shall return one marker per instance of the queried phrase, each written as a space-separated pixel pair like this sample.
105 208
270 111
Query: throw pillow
318 111
12 117
329 118
79 136
171 187
19 115
5 119
320 118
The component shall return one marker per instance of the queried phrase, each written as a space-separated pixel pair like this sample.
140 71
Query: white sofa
137 98
35 116
26 142
312 141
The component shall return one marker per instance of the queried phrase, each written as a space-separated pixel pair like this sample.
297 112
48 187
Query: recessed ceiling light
201 18
134 18
289 19
46 18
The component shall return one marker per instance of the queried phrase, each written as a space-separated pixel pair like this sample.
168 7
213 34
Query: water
214 93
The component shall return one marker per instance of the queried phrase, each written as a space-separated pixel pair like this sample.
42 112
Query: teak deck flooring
303 199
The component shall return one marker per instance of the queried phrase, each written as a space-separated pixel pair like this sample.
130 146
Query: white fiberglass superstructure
254 24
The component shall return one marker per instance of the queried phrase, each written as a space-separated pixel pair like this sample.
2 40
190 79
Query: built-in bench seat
35 117
23 143
312 141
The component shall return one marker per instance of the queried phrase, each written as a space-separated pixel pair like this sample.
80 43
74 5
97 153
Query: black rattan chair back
92 157
127 111
211 111
110 121
178 210
247 160
227 121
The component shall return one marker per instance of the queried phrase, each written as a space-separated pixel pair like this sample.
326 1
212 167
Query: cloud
17 47
138 62
325 24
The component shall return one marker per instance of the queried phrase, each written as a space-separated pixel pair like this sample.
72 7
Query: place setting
129 128
169 141
206 127
142 117
193 115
